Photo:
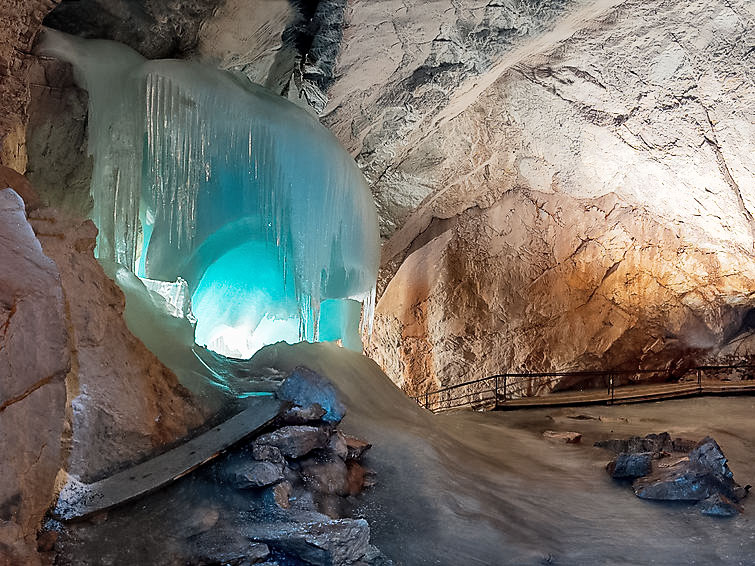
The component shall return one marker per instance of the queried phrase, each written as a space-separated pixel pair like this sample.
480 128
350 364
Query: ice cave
205 180
377 282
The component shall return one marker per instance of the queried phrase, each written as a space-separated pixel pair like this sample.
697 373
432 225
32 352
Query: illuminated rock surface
583 199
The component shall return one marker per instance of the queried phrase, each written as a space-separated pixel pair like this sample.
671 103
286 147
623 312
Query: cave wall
575 193
561 184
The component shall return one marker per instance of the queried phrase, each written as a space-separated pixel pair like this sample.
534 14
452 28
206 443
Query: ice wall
246 197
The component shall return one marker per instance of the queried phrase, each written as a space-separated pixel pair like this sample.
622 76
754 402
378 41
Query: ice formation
200 176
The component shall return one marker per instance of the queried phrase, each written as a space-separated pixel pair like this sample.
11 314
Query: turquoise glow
240 193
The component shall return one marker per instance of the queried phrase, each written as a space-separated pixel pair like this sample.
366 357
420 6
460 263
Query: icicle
238 191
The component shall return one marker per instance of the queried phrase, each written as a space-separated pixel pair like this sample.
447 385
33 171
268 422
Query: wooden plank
79 500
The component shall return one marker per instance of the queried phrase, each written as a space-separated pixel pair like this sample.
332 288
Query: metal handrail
435 399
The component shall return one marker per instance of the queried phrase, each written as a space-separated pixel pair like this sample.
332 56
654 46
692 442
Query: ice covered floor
487 488
480 488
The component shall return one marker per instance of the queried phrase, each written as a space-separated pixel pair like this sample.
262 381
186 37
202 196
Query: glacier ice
200 176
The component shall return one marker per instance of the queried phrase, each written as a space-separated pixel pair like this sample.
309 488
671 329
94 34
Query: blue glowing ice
245 196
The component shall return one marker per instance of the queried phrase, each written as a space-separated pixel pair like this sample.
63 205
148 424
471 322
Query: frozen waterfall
200 176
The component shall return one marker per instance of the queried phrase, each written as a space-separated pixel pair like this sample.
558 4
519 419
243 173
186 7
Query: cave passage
201 176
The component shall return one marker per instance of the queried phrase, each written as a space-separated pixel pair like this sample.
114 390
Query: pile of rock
666 469
311 471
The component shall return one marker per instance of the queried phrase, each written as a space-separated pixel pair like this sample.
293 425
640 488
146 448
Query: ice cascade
200 176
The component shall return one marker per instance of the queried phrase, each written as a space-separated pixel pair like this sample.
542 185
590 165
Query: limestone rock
565 437
306 387
20 23
578 198
295 441
56 144
34 359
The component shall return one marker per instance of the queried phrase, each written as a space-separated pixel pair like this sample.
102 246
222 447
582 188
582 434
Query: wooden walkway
629 394
79 500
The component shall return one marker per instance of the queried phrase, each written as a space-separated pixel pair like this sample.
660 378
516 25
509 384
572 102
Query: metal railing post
612 386
427 400
495 392
699 380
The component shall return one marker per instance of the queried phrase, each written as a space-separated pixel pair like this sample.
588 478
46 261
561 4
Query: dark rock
332 542
374 557
244 475
356 447
680 482
303 415
328 476
226 546
630 466
295 441
46 541
719 506
657 444
155 28
708 455
267 453
305 387
703 475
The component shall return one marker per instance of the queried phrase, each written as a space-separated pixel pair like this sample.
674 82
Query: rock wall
19 22
583 198
78 392
35 358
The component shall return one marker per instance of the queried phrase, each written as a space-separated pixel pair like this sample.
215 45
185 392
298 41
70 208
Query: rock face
35 357
19 22
78 392
579 197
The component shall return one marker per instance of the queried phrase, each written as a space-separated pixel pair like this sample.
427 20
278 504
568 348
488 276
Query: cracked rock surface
580 196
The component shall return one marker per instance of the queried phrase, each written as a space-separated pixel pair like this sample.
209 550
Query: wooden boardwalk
79 500
628 394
